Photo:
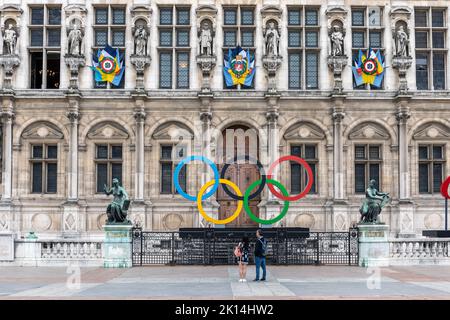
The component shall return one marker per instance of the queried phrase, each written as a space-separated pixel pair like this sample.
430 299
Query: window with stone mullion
109 28
174 47
44 160
431 48
431 167
368 161
45 46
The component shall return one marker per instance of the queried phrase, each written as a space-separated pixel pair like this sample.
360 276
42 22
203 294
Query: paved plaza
221 282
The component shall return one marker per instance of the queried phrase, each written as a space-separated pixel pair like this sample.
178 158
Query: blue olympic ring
187 160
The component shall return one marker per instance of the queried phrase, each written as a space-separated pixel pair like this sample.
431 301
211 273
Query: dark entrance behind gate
214 246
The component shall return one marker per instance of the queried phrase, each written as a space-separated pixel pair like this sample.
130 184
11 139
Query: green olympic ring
249 211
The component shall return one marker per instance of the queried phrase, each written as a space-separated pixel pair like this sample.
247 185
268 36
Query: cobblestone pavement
221 282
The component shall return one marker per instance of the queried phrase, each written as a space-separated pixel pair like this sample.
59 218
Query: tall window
170 155
367 166
239 29
299 177
44 176
109 29
303 47
431 168
108 163
431 49
174 47
367 32
45 47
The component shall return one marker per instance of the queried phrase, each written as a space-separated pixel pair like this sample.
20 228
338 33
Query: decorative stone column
340 217
406 205
210 205
206 57
272 206
402 59
73 223
337 59
139 116
6 207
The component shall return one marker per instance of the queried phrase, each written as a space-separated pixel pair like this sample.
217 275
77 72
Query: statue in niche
117 209
272 40
337 41
373 204
74 40
401 42
10 39
140 41
205 39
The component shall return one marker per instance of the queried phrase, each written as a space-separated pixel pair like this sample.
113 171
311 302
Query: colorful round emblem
108 65
370 66
238 67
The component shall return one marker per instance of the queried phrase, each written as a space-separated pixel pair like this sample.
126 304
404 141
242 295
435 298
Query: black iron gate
328 248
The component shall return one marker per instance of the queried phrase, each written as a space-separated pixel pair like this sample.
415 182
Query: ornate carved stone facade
142 118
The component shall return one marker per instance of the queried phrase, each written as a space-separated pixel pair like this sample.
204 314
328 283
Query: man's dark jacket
259 252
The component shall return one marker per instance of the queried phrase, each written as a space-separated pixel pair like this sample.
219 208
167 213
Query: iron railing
328 248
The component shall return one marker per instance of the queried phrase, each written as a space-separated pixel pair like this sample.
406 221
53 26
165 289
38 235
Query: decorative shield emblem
238 66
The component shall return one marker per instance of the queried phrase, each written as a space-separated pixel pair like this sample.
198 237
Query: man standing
260 255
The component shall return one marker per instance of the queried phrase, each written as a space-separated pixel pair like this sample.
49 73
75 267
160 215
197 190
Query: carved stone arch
150 130
316 128
108 130
400 14
304 130
143 12
420 126
369 129
118 123
206 12
51 124
75 12
336 13
271 13
173 131
432 130
218 127
42 130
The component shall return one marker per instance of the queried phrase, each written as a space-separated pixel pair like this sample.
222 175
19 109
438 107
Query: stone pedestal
117 246
373 245
6 246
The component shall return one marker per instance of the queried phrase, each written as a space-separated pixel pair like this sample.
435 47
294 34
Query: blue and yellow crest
238 67
108 65
369 68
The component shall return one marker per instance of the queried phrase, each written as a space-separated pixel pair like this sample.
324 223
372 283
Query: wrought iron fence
328 248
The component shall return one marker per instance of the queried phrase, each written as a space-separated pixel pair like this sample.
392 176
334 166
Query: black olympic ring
261 171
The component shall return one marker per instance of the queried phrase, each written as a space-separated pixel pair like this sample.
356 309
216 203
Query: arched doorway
243 174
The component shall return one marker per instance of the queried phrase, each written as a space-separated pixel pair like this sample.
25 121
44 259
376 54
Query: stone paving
221 282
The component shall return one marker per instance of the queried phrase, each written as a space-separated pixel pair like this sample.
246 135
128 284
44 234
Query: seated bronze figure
117 209
373 204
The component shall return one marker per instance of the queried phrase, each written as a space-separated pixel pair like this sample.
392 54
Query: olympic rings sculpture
243 199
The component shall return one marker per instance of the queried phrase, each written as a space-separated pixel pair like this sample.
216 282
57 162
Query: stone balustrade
414 251
65 252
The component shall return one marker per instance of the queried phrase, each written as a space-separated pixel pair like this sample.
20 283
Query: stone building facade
63 133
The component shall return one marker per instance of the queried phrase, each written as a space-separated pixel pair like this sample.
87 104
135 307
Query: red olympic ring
308 170
444 188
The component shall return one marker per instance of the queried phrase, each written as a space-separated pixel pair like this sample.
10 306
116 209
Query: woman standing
244 247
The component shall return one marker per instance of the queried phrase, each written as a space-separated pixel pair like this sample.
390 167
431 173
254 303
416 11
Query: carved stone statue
373 204
272 40
205 40
140 41
117 209
401 42
74 40
10 40
337 41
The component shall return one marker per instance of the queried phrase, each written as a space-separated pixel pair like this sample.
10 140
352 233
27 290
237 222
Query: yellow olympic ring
219 221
